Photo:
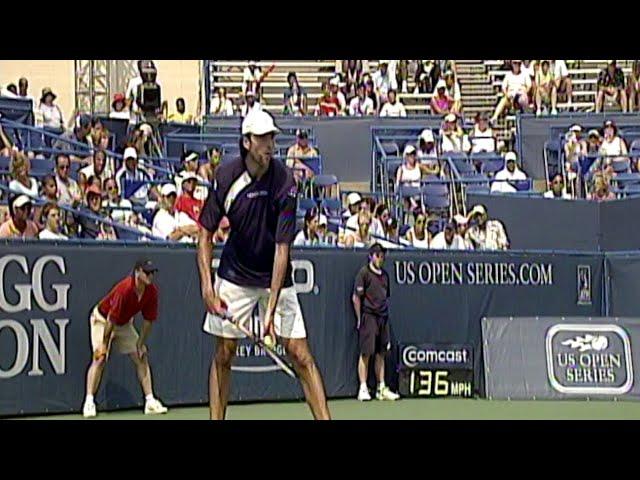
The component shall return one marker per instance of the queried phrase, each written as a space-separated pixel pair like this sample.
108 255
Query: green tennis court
406 409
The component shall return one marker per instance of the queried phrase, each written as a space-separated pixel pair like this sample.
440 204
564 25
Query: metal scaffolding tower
96 80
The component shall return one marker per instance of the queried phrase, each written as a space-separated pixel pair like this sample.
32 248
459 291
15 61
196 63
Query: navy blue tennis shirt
261 213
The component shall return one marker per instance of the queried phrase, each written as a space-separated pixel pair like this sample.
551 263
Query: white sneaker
385 393
154 407
89 410
538 113
363 394
554 111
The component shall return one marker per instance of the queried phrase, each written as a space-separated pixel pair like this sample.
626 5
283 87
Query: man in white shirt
51 216
393 107
504 181
562 81
453 138
447 239
250 105
251 77
334 88
515 87
119 107
383 81
486 234
130 171
557 189
165 222
361 105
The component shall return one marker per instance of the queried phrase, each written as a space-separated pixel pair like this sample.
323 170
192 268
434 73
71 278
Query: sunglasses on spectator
63 167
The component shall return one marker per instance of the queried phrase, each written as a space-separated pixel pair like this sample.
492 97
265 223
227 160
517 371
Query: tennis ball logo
600 343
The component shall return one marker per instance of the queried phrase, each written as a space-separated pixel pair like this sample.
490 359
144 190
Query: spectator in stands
328 104
10 91
482 137
165 222
188 207
462 225
221 105
383 81
453 90
393 107
91 227
141 139
353 205
6 146
19 225
362 237
207 171
81 133
515 88
453 138
418 235
557 189
575 148
250 105
613 146
326 237
507 179
601 192
98 168
295 98
299 151
51 231
594 141
48 114
361 105
441 101
180 116
633 87
49 194
364 206
120 210
545 89
369 91
336 94
130 172
251 78
353 71
69 192
427 150
23 91
308 235
562 82
119 108
190 162
409 174
611 86
222 234
382 215
485 234
425 77
22 183
447 239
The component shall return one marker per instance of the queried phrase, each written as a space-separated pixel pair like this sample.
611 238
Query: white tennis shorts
241 302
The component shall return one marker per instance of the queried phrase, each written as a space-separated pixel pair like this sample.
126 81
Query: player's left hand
141 350
269 328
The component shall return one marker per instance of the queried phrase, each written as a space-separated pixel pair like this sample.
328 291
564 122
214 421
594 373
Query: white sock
380 385
89 399
363 386
149 397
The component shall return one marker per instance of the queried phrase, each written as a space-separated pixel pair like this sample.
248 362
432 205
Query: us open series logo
589 359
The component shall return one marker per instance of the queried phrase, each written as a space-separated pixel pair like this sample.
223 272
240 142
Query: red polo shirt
190 206
122 304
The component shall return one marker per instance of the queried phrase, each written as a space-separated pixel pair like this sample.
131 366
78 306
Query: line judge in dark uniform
370 302
258 196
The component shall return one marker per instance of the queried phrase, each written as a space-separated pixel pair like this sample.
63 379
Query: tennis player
111 324
258 196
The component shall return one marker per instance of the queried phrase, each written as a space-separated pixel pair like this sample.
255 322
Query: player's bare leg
94 375
363 368
310 378
220 377
143 371
379 367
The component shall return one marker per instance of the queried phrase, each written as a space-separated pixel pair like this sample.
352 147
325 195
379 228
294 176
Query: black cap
146 265
377 248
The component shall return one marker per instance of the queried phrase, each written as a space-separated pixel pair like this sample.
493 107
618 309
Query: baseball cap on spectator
83 121
460 219
409 149
353 198
130 152
594 133
377 248
47 91
250 93
451 117
478 210
448 73
302 133
147 266
427 135
323 220
94 190
188 176
510 157
146 129
192 156
168 189
118 97
575 128
258 122
334 81
21 201
441 84
609 123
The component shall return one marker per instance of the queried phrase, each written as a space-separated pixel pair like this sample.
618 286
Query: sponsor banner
428 355
561 357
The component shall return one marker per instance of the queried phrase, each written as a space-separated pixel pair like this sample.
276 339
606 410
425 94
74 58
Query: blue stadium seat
333 206
435 189
391 148
305 204
42 166
477 188
624 179
621 166
5 164
436 202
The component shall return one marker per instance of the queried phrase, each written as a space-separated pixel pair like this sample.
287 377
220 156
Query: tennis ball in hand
268 341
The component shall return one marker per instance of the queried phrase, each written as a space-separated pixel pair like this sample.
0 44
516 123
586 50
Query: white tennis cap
168 189
353 198
460 219
323 220
21 201
258 122
188 176
510 157
409 149
130 152
427 135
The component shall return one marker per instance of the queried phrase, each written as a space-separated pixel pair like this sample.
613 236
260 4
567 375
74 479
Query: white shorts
241 302
125 337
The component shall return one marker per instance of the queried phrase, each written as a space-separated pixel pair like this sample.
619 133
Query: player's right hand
214 304
101 352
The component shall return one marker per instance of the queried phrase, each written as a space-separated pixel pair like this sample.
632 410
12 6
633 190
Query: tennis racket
270 350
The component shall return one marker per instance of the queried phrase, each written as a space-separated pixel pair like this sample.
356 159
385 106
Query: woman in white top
418 235
393 107
362 238
22 182
612 146
98 168
482 136
49 115
453 138
221 105
308 236
119 108
409 172
51 215
120 209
